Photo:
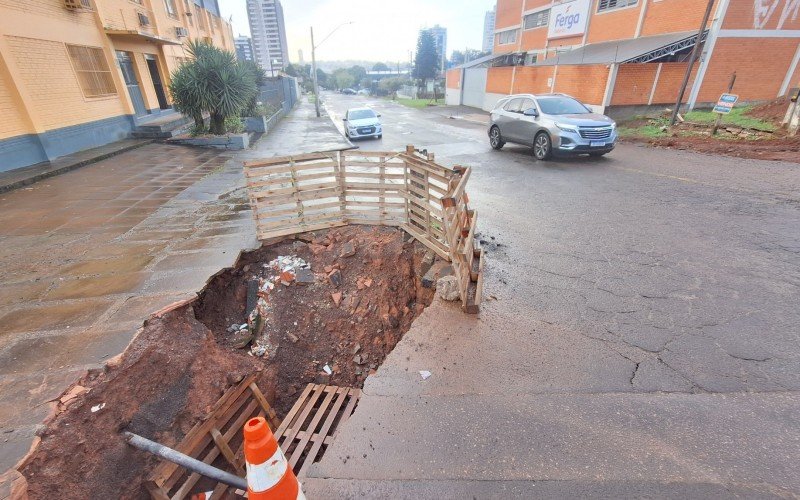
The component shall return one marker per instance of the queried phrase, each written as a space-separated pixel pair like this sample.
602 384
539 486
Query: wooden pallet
312 423
303 436
214 439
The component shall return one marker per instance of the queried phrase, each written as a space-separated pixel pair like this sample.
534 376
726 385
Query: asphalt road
640 332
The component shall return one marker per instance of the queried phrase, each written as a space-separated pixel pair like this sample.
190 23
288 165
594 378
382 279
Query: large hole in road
184 359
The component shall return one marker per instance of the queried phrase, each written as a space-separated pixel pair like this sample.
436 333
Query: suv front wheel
542 146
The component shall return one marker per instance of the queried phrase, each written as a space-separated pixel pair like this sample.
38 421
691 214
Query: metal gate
474 87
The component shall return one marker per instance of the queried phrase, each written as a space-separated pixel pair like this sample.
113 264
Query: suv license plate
597 144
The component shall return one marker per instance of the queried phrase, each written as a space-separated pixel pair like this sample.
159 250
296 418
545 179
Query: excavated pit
184 359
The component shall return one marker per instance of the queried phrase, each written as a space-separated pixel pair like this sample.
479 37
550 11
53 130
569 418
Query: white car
362 122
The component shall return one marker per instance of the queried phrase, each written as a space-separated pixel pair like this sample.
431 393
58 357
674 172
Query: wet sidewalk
86 256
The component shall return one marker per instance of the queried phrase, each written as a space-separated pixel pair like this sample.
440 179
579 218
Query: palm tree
214 82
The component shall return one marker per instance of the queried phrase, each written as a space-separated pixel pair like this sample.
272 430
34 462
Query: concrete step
165 127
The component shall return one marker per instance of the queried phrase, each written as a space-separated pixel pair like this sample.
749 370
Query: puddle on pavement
363 292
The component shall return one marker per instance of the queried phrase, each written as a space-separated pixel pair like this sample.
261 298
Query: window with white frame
506 37
606 5
537 19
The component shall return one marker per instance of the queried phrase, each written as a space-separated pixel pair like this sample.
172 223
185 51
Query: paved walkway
87 255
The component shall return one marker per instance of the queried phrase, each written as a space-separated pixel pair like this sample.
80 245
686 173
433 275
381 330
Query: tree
392 85
357 72
343 79
380 67
426 61
214 82
322 78
292 70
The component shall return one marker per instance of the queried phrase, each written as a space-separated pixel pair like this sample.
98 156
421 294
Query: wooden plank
389 186
302 220
289 418
355 395
277 160
381 204
301 196
214 452
306 209
272 417
156 491
262 235
301 445
275 180
308 405
433 245
342 394
199 432
226 451
295 188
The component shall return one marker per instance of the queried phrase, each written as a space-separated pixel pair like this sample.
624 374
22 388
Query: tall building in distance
440 37
488 30
244 48
269 34
300 58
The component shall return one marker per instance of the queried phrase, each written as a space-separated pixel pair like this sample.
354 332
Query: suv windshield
360 114
562 106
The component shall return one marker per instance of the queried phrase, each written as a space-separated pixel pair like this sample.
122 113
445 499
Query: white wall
490 100
452 97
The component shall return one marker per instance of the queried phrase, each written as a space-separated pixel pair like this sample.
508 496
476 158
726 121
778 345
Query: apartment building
488 31
76 74
269 34
622 54
440 40
244 48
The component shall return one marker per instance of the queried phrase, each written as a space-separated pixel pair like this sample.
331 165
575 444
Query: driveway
639 334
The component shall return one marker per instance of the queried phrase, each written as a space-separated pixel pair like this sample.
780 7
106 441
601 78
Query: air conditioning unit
180 31
143 19
78 4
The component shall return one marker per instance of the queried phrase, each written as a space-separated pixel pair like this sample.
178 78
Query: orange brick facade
760 45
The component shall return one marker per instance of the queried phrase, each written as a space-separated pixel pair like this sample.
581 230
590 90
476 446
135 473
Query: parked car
552 124
348 91
363 92
362 122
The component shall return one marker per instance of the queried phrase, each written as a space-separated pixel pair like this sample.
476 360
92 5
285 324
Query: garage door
474 87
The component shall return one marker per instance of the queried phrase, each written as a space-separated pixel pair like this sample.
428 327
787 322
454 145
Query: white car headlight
567 128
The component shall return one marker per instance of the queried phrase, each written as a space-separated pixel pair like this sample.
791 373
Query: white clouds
381 30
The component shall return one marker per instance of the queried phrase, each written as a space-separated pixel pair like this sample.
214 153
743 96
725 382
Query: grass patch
420 103
738 116
650 131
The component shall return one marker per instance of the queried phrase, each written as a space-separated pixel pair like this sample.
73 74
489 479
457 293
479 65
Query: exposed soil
779 148
772 111
762 146
181 362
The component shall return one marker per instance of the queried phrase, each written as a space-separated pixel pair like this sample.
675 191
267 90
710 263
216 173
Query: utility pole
314 73
692 59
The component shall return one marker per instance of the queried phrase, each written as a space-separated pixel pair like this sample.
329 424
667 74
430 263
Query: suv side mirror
378 115
531 112
344 119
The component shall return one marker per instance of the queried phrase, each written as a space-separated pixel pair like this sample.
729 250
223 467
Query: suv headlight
567 127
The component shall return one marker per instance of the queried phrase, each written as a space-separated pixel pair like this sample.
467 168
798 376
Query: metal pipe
186 461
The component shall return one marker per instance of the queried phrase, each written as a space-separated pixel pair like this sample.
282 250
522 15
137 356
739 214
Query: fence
310 192
279 92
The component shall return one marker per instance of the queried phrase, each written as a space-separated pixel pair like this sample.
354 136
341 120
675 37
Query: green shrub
234 125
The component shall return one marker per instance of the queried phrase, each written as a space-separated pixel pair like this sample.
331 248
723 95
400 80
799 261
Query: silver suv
551 124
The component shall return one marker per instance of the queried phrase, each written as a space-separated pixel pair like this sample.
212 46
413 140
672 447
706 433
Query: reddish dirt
307 322
180 364
772 111
779 148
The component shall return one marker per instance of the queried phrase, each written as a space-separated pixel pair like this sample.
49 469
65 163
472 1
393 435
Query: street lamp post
314 63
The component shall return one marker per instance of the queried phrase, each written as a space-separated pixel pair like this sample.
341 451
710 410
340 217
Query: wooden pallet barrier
407 189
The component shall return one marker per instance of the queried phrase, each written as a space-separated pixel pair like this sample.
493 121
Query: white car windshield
562 106
360 114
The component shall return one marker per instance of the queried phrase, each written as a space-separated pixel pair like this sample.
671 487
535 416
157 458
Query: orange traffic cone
269 476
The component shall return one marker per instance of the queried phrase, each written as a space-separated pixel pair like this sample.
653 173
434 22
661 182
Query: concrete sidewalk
465 113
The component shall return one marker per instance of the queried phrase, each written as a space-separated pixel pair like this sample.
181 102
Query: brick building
633 53
76 74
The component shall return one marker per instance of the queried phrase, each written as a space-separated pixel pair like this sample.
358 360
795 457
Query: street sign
725 103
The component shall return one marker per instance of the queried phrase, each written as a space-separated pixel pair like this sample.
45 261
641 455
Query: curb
68 168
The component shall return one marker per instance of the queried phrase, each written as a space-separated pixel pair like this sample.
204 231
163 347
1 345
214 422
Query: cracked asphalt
640 324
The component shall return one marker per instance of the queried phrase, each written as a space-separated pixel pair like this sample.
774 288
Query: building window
171 11
605 5
530 59
91 67
537 19
506 37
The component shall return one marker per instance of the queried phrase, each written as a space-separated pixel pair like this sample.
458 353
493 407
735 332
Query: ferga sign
568 19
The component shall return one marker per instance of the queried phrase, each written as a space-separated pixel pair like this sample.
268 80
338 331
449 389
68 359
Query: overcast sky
381 30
